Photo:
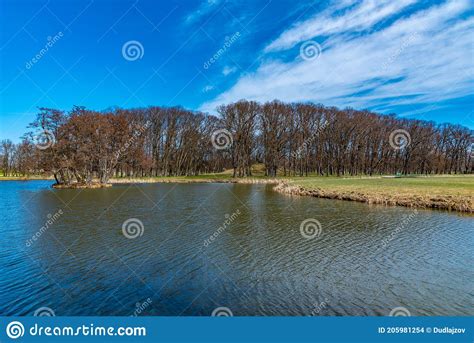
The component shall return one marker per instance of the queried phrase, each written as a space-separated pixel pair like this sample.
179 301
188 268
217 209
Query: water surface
366 261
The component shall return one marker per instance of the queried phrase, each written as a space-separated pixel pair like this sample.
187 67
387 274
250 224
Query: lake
205 246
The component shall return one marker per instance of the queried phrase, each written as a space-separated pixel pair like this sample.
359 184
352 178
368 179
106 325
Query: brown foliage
290 139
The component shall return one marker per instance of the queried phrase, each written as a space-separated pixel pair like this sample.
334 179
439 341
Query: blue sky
413 58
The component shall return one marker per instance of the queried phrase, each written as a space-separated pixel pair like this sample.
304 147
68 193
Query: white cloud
205 8
208 88
229 70
429 55
360 17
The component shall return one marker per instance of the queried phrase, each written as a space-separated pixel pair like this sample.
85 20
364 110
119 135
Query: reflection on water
237 246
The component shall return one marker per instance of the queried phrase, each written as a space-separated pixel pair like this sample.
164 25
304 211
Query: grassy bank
449 192
454 193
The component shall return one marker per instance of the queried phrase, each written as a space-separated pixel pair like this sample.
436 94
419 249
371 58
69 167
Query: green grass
444 184
442 192
419 186
454 192
431 185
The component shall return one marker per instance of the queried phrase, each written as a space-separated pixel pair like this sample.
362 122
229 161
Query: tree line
289 139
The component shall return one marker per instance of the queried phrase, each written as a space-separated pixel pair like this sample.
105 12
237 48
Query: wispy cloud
204 9
418 59
355 18
207 88
228 70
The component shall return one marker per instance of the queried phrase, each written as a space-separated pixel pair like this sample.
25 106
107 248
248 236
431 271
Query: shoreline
196 180
81 186
369 190
446 203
